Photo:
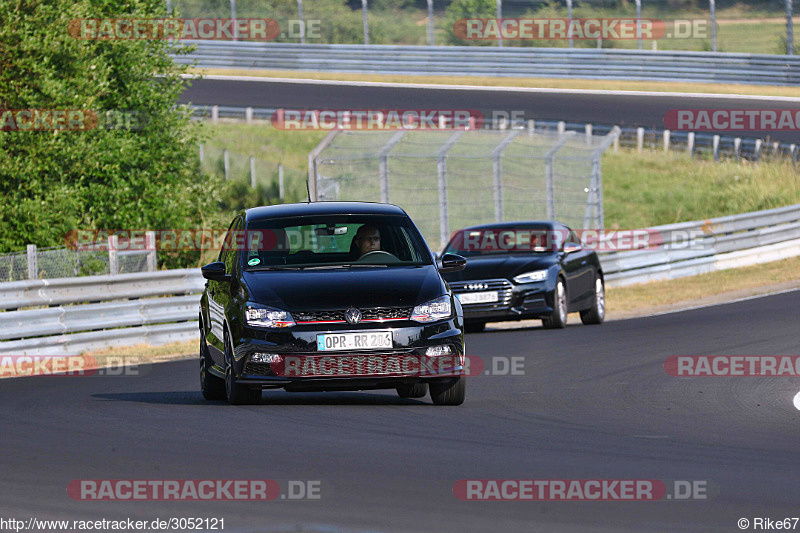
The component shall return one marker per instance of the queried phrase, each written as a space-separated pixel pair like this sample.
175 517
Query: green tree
54 181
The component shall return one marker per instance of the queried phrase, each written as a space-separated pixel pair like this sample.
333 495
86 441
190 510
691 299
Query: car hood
501 266
361 287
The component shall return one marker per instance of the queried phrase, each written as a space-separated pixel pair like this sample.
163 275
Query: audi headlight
268 317
437 309
531 277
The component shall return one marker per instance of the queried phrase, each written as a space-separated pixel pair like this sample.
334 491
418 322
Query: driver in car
367 239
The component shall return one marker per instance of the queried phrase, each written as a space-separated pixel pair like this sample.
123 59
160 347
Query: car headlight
268 317
437 309
530 277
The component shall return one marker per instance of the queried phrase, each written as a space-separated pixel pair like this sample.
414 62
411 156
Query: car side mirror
215 271
571 247
452 263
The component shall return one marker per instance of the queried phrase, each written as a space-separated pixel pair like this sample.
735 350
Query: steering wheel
373 253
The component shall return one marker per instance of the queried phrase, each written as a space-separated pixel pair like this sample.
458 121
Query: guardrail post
588 129
113 260
215 113
757 150
639 139
152 259
33 264
248 115
737 146
775 148
531 127
616 139
562 127
690 143
792 150
252 172
227 162
280 181
666 141
716 147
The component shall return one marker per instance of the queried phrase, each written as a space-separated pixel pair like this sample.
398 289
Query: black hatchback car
329 296
526 270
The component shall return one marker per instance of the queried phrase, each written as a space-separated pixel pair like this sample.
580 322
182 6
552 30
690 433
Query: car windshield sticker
254 261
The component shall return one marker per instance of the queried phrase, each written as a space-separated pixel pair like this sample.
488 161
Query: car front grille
375 314
502 286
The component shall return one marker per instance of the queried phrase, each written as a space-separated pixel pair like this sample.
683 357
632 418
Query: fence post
169 7
280 181
549 174
639 139
215 113
616 139
364 19
227 160
383 163
252 172
562 127
639 23
569 21
302 24
789 29
588 129
441 174
202 156
737 146
690 143
152 259
531 127
757 150
716 147
33 264
666 141
431 38
233 17
712 6
792 149
248 115
775 148
499 16
113 260
497 171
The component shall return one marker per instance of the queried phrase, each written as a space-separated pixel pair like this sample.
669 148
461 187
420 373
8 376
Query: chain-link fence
87 260
447 180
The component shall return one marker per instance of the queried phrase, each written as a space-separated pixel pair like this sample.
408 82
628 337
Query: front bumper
303 367
515 301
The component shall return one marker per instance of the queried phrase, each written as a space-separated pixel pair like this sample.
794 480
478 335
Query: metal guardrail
122 312
707 67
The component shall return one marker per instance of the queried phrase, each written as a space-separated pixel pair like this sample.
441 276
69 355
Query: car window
233 242
334 240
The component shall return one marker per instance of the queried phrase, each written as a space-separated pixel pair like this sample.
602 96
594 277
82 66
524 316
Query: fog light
265 358
439 350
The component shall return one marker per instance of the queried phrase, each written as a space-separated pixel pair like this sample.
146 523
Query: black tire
417 390
449 392
237 393
558 318
597 313
212 387
474 327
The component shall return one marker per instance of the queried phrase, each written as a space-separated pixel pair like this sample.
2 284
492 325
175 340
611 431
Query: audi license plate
478 297
371 340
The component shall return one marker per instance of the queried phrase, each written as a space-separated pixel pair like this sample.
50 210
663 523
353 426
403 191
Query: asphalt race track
594 403
627 110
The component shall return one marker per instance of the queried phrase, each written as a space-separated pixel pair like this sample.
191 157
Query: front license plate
478 297
369 340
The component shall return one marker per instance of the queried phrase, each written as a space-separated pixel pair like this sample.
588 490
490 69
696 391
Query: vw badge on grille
352 315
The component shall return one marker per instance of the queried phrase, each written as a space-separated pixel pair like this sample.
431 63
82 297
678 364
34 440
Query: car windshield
332 241
505 241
